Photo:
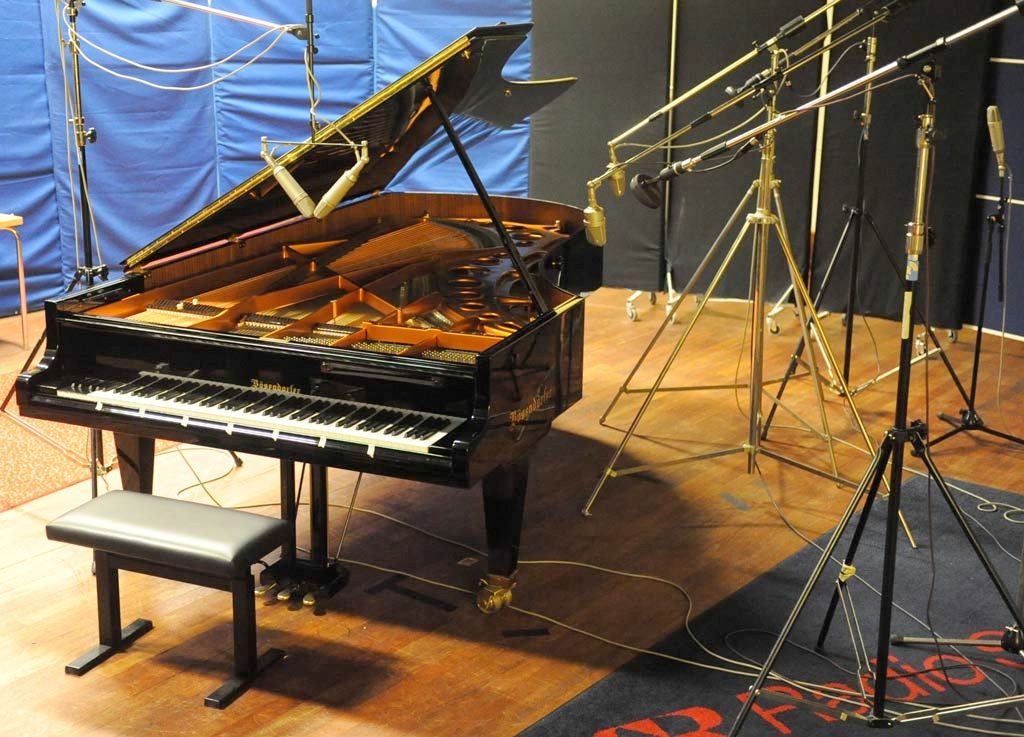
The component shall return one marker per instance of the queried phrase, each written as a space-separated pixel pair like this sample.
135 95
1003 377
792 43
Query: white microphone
995 132
345 182
302 201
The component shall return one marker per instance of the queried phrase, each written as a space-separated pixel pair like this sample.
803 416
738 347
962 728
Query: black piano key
244 399
428 427
265 404
385 420
312 412
203 392
179 391
355 418
339 414
328 415
157 387
376 421
218 398
399 425
287 407
136 384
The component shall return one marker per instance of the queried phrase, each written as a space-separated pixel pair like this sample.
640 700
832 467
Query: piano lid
395 122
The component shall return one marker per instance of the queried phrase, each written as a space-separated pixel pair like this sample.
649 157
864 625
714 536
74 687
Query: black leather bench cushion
197 537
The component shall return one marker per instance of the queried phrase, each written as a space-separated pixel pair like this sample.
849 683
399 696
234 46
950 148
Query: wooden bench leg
247 664
112 638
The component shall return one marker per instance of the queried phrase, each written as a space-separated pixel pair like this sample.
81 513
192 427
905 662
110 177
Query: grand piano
426 336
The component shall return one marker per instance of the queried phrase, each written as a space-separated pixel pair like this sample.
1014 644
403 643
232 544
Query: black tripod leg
917 437
1003 435
917 312
878 472
957 428
819 569
794 360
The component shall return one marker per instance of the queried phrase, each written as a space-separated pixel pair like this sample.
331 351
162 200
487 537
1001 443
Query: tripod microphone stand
766 221
857 214
891 453
969 418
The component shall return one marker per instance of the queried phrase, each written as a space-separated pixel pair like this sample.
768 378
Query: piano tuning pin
309 599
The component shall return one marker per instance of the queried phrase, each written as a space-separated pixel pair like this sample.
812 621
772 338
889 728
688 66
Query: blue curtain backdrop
161 155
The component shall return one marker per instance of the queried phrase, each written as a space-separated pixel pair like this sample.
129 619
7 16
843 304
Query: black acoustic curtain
619 52
713 35
962 138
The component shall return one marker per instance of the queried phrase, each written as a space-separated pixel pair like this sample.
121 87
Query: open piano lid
466 76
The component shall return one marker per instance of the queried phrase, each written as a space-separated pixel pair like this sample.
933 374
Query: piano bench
182 541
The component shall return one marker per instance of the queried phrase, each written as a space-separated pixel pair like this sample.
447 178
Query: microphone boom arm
840 92
741 96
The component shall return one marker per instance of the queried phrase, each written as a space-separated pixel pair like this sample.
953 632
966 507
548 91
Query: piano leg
135 461
318 577
504 491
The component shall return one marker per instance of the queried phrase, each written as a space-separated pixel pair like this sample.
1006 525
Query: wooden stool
10 223
180 540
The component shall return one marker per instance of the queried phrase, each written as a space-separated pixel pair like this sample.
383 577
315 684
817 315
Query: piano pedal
265 588
285 594
309 599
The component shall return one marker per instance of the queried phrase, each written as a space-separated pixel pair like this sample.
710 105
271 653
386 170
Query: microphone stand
893 445
969 418
645 188
89 271
891 452
857 214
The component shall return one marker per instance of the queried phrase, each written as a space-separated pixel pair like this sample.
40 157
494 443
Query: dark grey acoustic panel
713 35
619 52
891 163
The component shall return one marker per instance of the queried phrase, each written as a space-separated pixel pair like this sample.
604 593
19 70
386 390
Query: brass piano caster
494 593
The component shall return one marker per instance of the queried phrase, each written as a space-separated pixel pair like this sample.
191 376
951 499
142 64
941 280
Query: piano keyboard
281 413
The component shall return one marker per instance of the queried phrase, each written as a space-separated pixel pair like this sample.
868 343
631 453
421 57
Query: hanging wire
281 31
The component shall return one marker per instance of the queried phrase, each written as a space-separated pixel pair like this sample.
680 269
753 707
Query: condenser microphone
995 132
594 220
302 201
345 183
618 179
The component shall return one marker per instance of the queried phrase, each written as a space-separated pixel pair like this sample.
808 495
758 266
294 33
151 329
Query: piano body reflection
419 335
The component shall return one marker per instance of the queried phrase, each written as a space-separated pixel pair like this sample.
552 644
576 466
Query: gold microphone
618 173
995 132
593 219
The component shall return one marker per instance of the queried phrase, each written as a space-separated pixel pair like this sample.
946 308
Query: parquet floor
392 655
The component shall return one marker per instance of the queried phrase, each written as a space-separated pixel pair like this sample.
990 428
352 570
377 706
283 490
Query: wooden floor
393 656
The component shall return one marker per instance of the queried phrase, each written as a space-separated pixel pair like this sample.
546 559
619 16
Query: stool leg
108 602
247 664
21 288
